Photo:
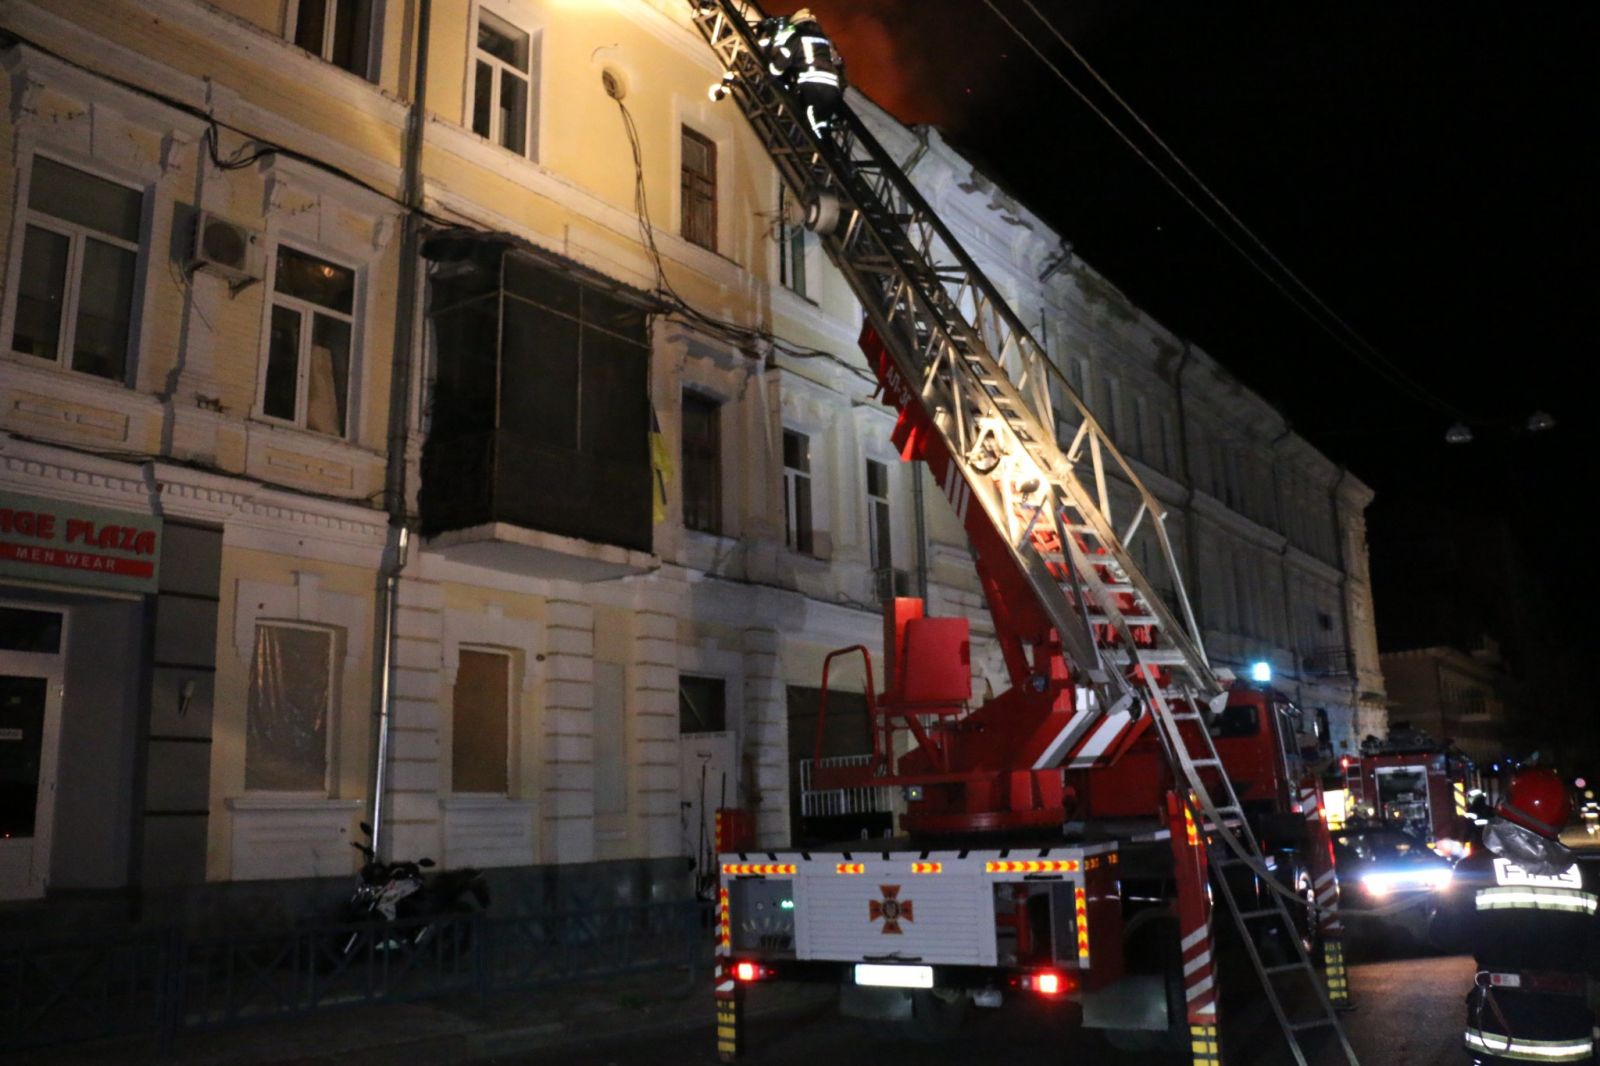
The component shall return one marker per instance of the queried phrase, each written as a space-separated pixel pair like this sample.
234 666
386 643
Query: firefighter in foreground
1533 932
799 53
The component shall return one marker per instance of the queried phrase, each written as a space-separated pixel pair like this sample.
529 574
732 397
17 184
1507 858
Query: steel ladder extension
987 388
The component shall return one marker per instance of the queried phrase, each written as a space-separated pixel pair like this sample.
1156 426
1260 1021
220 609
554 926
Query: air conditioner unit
227 250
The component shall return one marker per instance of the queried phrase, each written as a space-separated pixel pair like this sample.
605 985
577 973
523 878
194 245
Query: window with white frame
287 714
339 31
80 253
879 539
502 84
792 239
480 723
797 531
306 377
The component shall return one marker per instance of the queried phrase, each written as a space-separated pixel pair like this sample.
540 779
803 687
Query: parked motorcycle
400 896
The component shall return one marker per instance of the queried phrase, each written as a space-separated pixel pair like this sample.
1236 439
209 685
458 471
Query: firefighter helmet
1537 800
803 15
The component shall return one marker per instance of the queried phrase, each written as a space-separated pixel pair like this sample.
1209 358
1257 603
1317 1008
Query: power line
1362 350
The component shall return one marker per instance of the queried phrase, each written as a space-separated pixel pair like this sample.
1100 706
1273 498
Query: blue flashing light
1261 672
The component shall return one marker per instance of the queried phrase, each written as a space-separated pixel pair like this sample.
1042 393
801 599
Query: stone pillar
766 734
568 800
653 751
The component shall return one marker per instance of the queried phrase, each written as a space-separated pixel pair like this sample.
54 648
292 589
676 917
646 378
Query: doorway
31 642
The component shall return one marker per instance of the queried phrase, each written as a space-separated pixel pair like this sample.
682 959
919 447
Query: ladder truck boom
1073 612
1107 678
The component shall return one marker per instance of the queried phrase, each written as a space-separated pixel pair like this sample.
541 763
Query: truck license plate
880 976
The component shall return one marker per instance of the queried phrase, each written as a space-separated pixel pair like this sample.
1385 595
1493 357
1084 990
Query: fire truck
1069 837
1411 781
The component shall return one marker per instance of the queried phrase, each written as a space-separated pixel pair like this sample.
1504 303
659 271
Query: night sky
1428 169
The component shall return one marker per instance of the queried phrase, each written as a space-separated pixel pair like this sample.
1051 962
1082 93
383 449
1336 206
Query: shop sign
68 543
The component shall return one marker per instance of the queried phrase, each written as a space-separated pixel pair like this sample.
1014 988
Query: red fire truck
1065 838
1411 781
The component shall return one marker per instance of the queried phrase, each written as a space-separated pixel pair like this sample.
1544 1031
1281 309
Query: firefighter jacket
799 51
1533 937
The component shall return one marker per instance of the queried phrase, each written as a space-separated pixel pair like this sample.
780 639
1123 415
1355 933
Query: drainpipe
1191 540
1343 564
1297 653
394 485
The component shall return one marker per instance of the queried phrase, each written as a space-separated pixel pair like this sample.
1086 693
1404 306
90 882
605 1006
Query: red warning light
1047 984
746 971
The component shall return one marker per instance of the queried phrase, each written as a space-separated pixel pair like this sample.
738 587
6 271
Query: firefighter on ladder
1533 932
798 52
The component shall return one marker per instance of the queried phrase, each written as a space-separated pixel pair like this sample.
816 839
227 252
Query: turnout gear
1533 932
799 53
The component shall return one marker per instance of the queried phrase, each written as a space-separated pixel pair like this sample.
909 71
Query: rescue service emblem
891 908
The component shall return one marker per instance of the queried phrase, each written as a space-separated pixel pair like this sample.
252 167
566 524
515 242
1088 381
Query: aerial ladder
1095 655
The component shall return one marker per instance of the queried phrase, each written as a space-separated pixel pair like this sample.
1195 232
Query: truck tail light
750 971
1045 983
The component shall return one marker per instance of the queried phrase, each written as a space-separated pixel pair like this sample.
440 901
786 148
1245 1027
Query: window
702 704
878 532
699 190
339 31
502 101
791 245
307 375
1141 417
79 253
480 716
797 533
291 698
610 738
1107 414
702 463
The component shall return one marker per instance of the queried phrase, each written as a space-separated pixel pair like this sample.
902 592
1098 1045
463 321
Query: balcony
1329 661
537 458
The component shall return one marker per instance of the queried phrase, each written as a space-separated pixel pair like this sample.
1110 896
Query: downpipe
395 561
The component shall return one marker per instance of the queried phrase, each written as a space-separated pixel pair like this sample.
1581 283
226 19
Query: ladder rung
1206 762
1261 912
1284 968
1313 1023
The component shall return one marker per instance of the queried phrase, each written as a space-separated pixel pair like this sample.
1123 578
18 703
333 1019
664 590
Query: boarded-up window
699 190
610 738
480 738
291 696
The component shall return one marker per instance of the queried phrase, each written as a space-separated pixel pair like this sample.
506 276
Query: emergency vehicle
1409 781
1065 838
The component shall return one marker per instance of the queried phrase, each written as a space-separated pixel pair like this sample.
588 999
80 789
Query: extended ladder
961 353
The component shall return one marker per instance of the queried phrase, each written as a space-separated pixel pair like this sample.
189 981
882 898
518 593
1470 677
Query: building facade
439 388
1468 699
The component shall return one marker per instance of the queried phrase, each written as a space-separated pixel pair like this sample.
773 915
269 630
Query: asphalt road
1409 1014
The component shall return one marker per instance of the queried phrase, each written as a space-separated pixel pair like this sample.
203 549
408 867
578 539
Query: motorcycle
405 900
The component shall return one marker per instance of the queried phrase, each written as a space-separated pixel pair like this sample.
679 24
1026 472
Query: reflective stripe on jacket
1526 897
1524 1050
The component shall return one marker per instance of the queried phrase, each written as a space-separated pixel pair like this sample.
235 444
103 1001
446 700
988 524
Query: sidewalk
440 1031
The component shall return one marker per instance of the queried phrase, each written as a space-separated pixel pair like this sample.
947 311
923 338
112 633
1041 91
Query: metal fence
163 982
824 802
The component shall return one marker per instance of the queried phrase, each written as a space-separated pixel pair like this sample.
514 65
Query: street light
1538 422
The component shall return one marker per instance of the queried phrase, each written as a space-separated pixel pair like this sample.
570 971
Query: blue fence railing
162 982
